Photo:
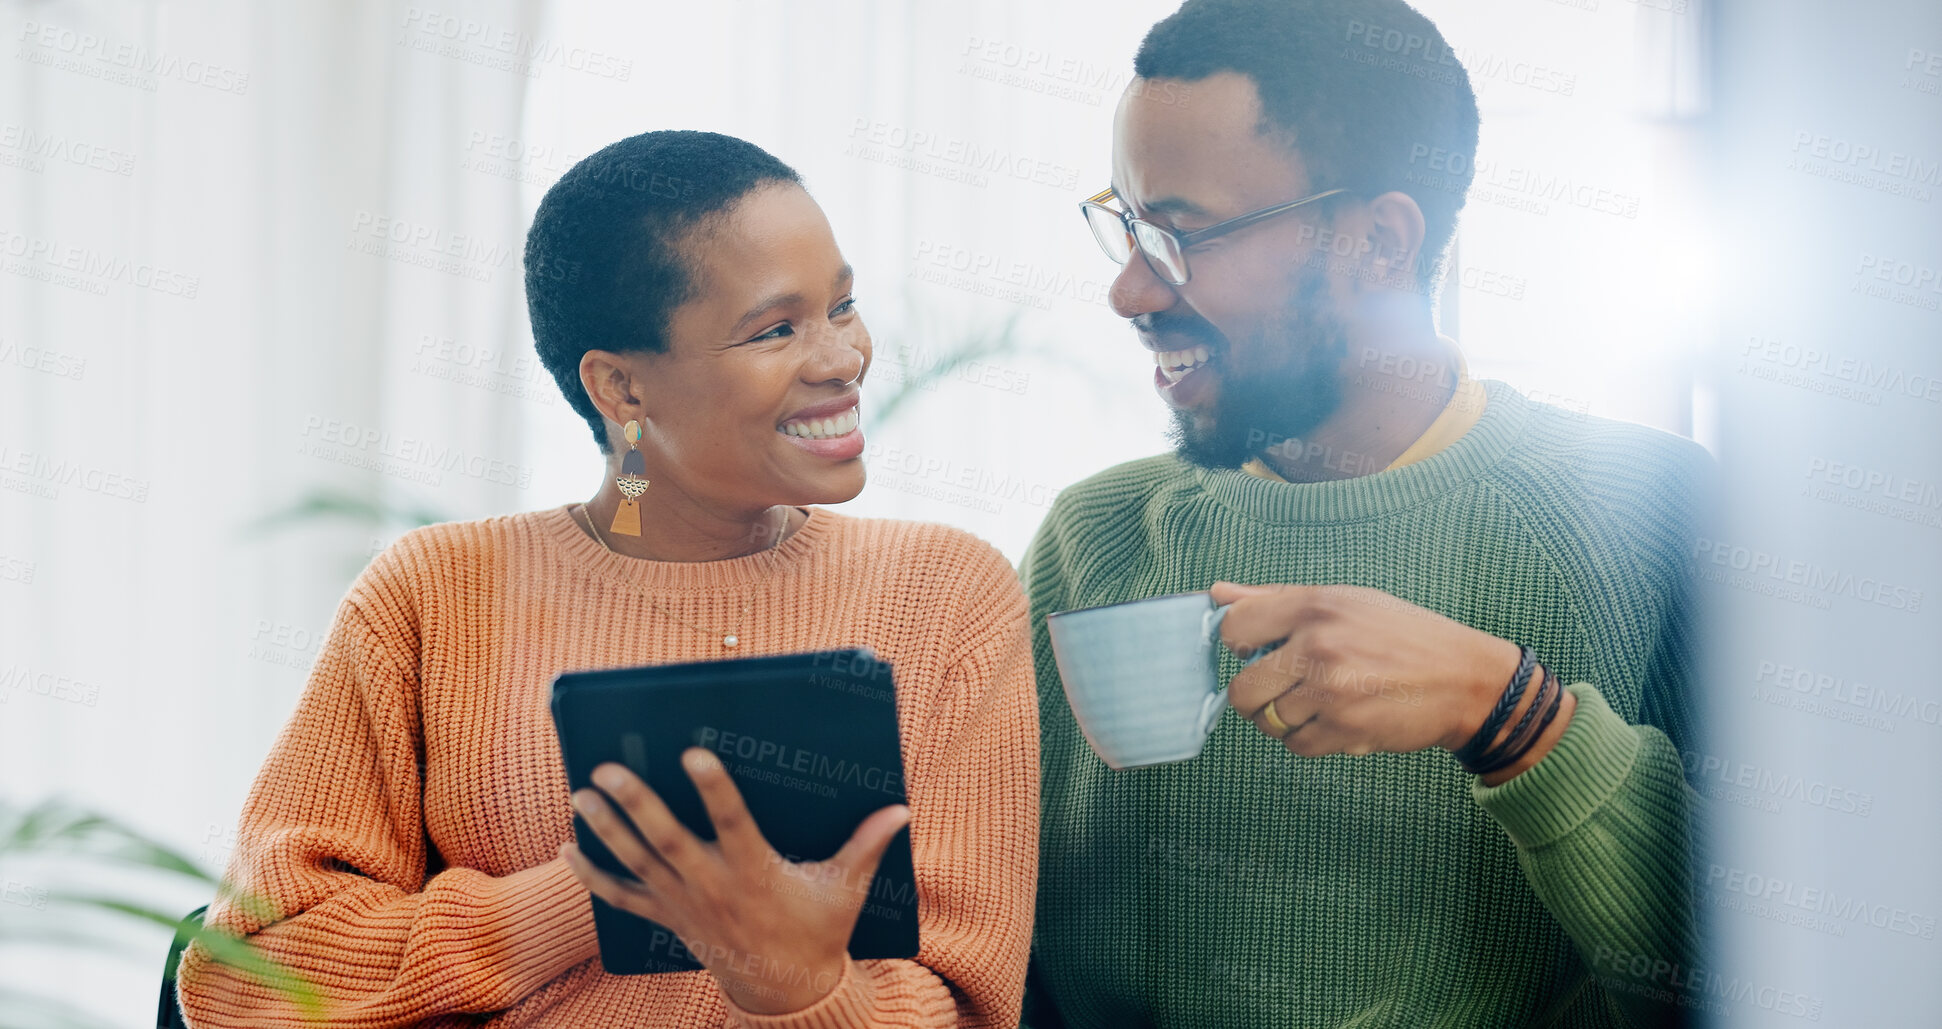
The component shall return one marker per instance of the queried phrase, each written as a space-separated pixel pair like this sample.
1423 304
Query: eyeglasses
1118 232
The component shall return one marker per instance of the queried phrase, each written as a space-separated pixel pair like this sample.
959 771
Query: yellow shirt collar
1458 415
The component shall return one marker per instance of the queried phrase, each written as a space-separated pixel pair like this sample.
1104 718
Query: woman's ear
609 380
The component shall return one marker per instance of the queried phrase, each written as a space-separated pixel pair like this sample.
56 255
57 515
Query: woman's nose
837 359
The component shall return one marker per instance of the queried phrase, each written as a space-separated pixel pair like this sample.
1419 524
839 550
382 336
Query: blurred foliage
323 503
82 842
327 502
934 365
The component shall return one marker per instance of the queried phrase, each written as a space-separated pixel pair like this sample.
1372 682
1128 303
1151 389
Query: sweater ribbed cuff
540 925
1584 770
848 1005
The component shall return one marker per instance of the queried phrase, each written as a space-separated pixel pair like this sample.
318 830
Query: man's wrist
1494 671
1490 676
1595 760
1542 746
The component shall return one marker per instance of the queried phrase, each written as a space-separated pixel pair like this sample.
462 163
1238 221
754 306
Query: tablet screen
810 740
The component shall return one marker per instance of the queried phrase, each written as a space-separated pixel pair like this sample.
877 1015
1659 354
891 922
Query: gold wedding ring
1276 727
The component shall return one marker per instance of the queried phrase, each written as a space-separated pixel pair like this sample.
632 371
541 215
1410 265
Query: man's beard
1264 406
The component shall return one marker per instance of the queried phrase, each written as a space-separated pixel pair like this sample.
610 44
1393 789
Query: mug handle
1210 634
1210 708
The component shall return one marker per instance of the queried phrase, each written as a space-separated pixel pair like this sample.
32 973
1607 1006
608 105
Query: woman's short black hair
605 266
1368 90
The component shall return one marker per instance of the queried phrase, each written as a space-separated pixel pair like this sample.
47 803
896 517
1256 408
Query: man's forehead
1195 158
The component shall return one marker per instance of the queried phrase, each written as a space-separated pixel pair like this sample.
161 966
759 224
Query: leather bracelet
1556 704
1549 714
1517 745
1479 744
1514 739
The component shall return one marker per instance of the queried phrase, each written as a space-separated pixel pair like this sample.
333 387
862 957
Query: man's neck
1392 390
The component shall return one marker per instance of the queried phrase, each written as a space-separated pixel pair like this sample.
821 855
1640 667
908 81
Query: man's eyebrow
1174 206
1169 206
844 274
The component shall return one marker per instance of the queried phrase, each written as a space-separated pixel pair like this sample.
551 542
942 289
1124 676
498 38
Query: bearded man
1453 794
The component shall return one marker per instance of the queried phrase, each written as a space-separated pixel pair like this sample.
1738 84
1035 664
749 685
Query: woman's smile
828 430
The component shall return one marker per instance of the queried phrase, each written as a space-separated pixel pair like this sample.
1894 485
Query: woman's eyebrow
785 300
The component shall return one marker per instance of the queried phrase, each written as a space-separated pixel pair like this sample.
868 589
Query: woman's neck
674 528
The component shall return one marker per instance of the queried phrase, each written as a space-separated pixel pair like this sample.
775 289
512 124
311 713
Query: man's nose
1136 290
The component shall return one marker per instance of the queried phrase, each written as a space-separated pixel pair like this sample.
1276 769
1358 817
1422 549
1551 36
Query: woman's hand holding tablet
773 932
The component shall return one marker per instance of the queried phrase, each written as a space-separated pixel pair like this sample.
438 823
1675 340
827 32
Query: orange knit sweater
406 822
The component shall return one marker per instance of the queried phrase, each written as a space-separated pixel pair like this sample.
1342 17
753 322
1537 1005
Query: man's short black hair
1371 95
605 266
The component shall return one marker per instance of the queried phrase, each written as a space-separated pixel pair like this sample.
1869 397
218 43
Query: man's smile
1186 378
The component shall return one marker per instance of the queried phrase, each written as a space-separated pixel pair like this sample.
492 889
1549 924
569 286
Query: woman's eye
847 305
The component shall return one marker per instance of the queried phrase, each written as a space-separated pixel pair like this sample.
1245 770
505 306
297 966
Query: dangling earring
632 482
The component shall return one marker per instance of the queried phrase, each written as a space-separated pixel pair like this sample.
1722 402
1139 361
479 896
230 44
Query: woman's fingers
740 839
611 825
671 841
860 856
627 895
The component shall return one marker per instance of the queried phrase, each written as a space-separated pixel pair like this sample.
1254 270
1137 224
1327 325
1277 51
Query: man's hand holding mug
1357 671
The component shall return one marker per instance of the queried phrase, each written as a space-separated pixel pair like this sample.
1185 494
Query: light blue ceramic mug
1143 676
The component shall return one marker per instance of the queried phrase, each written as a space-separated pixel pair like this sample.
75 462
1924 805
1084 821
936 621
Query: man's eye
848 305
776 333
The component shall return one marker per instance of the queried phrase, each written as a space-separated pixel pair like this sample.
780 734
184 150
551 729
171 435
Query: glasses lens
1163 251
1110 232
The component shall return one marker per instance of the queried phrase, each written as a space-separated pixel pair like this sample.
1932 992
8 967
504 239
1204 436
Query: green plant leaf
54 826
226 948
236 951
977 345
329 502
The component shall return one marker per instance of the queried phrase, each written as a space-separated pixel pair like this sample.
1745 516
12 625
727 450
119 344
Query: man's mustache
1161 324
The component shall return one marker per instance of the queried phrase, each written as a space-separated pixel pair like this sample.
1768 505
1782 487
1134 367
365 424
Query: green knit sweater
1251 887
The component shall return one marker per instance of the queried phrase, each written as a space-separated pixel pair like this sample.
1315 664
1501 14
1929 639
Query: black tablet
810 740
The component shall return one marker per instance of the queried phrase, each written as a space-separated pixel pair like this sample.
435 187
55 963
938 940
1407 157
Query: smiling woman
713 309
411 826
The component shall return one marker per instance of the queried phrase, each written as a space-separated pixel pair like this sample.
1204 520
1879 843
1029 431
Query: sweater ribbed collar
1506 415
565 531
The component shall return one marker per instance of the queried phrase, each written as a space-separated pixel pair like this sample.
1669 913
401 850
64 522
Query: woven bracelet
1557 702
1471 752
1517 744
1513 740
